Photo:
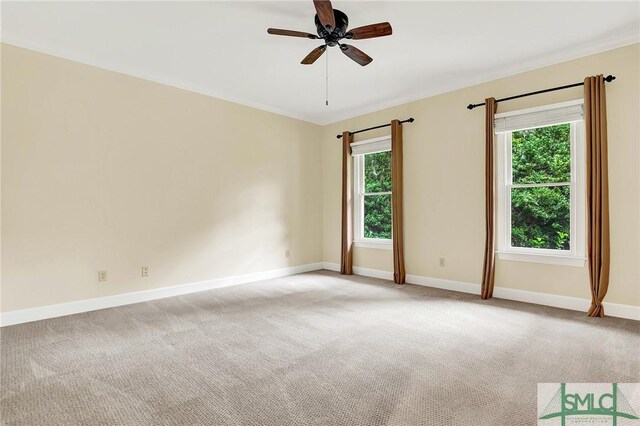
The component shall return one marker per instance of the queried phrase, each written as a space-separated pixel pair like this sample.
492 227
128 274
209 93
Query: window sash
376 193
510 185
359 195
577 208
537 185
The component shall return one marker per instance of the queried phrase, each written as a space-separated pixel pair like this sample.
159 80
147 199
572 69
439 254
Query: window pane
377 172
540 217
542 155
377 216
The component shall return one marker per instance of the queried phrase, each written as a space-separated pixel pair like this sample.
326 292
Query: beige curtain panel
595 113
397 211
488 268
346 257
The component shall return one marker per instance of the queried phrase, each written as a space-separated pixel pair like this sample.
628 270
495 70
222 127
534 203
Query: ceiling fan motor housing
332 38
331 25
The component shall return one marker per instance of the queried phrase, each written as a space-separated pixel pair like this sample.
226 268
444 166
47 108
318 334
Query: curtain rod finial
470 107
609 78
411 120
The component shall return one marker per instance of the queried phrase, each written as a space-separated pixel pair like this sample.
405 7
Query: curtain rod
408 120
608 79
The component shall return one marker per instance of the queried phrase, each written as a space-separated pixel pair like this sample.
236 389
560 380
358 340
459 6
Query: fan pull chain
327 78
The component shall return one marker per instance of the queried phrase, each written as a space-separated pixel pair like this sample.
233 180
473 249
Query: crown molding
131 72
553 58
556 58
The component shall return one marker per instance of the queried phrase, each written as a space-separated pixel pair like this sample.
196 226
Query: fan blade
370 31
325 13
314 55
277 31
356 54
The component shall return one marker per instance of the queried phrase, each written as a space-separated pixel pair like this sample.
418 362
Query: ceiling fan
331 27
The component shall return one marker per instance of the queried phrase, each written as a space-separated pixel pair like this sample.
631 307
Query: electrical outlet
441 261
287 253
145 271
102 276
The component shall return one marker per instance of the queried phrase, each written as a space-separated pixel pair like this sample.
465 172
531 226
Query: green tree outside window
377 207
541 216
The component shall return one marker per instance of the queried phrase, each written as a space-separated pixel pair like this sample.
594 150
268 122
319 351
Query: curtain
397 211
595 113
488 267
346 257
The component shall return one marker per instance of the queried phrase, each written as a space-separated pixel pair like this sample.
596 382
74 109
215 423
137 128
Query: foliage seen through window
377 198
540 216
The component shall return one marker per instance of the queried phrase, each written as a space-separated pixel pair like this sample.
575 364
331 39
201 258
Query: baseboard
79 306
365 272
374 273
75 307
546 299
329 266
460 286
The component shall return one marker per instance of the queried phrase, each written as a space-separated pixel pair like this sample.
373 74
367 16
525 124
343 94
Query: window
372 193
541 184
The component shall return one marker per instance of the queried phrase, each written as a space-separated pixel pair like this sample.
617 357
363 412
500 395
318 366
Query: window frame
359 240
575 256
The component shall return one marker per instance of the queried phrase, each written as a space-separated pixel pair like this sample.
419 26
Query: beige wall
101 171
444 180
105 171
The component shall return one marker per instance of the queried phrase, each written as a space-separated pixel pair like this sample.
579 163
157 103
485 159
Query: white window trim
576 256
358 199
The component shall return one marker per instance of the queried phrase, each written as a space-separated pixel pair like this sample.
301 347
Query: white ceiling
222 48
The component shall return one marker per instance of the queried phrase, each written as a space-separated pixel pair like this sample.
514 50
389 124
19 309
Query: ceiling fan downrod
326 95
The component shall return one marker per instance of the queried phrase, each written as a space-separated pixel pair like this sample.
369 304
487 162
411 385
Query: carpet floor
310 349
